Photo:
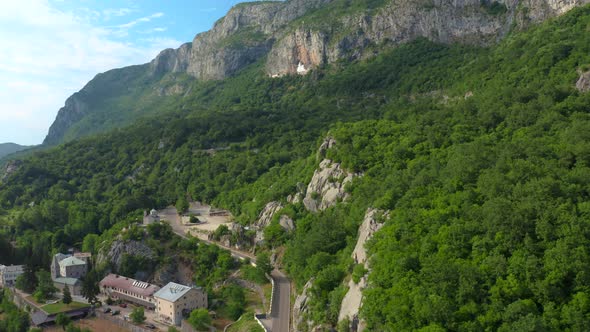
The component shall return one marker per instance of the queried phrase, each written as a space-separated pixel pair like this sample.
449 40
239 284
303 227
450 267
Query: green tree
263 262
137 315
45 288
27 282
62 320
67 296
200 319
90 242
90 287
182 204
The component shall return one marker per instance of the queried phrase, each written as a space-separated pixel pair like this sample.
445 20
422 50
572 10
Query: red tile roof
131 285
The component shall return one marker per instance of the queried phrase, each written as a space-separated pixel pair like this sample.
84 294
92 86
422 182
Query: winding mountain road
281 302
280 313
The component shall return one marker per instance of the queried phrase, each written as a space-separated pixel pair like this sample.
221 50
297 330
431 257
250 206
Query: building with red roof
128 289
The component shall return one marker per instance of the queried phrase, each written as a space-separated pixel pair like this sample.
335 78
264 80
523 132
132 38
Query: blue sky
51 48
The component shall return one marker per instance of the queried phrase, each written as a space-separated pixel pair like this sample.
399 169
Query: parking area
122 311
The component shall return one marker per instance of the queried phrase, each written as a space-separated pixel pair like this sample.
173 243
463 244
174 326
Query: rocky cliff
298 35
327 185
351 303
583 83
295 36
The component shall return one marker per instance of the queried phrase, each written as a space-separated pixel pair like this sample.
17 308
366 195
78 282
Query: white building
8 274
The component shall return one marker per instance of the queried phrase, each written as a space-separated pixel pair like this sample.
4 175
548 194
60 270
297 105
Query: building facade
128 289
75 285
72 267
8 274
174 301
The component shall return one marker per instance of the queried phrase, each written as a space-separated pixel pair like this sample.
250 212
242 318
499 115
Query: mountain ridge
9 148
293 37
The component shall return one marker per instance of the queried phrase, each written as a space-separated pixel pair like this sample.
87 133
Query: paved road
281 302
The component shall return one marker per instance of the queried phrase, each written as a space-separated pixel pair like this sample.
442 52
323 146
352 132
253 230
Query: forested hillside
481 155
8 148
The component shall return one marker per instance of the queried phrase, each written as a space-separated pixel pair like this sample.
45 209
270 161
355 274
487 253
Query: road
281 302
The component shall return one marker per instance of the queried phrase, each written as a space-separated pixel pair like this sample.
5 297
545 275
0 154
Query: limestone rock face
264 218
464 21
277 33
583 84
11 167
352 301
237 40
300 309
73 111
327 186
287 223
266 29
119 248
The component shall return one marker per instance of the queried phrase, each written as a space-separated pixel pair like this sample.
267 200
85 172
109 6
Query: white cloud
48 55
116 12
140 20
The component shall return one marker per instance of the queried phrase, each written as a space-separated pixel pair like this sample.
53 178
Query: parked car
116 312
123 305
150 326
107 310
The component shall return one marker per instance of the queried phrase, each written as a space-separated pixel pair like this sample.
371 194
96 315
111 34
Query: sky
52 48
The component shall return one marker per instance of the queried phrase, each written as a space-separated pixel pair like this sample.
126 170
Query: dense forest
481 155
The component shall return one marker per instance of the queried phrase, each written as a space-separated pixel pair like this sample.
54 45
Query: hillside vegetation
9 148
482 155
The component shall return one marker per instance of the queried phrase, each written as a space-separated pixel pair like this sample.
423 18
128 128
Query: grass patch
246 323
267 293
62 307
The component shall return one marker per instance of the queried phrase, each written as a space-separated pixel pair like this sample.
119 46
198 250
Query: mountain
291 37
9 148
434 185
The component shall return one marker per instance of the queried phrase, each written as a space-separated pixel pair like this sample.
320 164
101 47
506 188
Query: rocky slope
326 187
351 303
293 37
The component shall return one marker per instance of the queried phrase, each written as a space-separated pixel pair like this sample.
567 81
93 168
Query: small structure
128 289
175 300
85 256
151 218
8 274
41 318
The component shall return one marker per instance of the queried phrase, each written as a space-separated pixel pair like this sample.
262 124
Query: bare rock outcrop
269 29
583 84
119 248
352 301
287 223
265 217
327 186
301 309
10 168
289 42
464 21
